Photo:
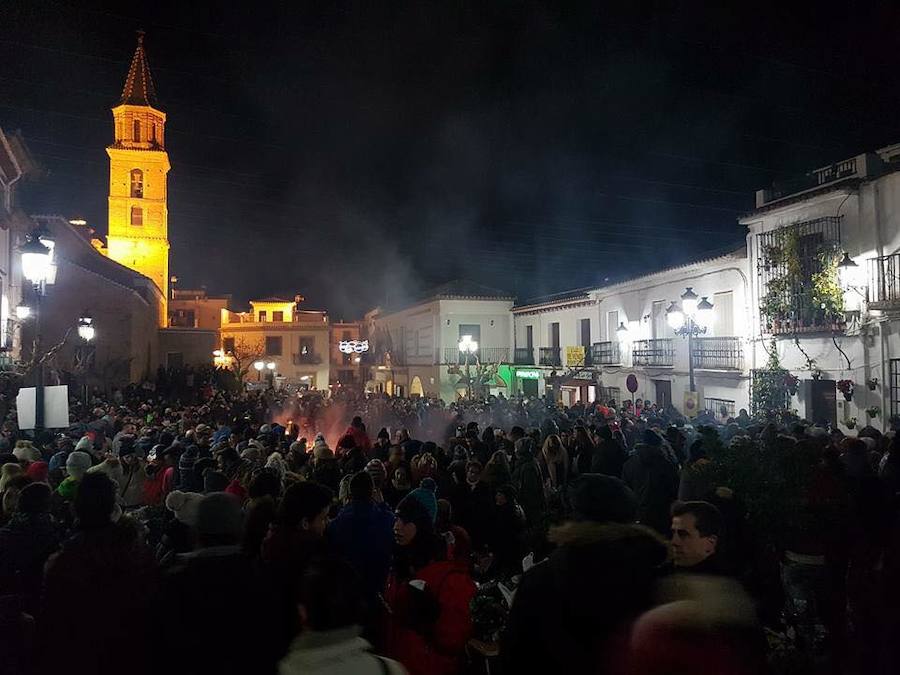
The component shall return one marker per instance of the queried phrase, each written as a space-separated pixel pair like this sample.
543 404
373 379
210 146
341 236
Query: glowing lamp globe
23 312
36 261
704 313
689 301
86 330
259 365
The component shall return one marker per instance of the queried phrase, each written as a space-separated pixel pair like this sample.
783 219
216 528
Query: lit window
137 183
137 215
278 317
136 131
263 316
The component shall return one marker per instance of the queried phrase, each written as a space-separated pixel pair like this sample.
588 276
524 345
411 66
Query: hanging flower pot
873 411
850 423
871 383
846 388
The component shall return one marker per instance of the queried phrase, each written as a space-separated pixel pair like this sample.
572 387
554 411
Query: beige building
275 331
347 365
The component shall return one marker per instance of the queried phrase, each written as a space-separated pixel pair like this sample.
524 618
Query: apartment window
307 346
529 337
263 316
473 329
661 328
137 183
584 327
137 215
273 345
228 344
612 326
554 335
136 131
278 317
723 314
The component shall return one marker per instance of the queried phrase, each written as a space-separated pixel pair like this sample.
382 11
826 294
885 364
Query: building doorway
663 393
529 388
415 387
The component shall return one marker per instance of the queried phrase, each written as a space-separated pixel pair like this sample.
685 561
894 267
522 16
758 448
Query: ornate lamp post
468 347
690 320
259 365
37 268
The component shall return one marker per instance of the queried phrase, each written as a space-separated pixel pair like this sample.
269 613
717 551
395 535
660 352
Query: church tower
138 163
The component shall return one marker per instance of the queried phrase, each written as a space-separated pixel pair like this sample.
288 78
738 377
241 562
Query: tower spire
139 89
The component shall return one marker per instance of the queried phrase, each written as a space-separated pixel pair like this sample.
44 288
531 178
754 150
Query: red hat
38 471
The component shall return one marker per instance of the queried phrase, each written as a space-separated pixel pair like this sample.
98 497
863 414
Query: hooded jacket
654 480
571 610
529 482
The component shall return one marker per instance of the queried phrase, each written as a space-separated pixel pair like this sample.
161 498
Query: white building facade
415 349
586 345
848 210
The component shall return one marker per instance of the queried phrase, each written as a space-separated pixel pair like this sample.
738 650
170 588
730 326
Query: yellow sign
574 356
691 403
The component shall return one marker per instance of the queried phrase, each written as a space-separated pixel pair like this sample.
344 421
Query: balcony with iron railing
452 355
718 353
550 356
884 282
309 359
653 353
604 354
523 356
855 167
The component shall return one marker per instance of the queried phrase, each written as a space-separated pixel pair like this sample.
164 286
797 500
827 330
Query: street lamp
37 268
86 330
259 365
468 347
690 320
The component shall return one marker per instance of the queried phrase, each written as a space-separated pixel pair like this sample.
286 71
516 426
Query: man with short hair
696 528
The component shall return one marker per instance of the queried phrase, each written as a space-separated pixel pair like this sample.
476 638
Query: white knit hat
184 506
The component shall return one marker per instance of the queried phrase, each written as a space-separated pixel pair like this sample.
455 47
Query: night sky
357 152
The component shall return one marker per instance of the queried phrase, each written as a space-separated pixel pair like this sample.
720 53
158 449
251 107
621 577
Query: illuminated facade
138 164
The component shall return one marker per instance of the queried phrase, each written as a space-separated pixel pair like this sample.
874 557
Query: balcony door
723 314
612 326
660 324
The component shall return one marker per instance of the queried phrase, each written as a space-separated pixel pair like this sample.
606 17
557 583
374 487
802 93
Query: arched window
137 215
136 131
137 183
153 133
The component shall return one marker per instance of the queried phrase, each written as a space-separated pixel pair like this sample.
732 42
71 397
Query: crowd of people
189 529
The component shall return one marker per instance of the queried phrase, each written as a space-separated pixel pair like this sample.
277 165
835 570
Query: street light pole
690 320
39 372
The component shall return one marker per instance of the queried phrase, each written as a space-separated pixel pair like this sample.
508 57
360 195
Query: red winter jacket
361 438
441 653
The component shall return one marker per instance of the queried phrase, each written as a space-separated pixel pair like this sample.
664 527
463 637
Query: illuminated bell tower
138 163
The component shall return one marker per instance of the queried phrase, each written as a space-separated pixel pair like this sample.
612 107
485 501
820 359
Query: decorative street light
259 365
38 268
86 330
468 347
690 320
23 312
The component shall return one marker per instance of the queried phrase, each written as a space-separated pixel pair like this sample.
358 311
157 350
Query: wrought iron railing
452 355
828 174
788 259
884 281
718 353
654 352
523 356
718 405
550 356
604 354
306 359
607 394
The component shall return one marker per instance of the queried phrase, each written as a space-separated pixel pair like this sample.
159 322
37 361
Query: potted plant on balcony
873 411
850 423
871 383
846 388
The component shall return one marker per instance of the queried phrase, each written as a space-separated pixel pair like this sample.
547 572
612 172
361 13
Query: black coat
654 480
25 544
529 481
571 610
609 458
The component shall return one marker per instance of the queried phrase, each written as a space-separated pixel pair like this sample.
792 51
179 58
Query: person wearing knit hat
77 464
184 505
431 640
58 461
219 520
375 469
601 576
7 472
26 452
38 472
427 498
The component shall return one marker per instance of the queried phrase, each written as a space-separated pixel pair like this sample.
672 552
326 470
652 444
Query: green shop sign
528 374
